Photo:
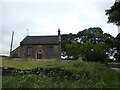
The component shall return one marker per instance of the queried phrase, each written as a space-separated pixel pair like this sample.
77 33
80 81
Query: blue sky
44 17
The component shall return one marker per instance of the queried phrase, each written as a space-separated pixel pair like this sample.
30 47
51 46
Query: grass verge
84 75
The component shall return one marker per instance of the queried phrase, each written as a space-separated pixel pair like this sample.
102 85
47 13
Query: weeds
78 75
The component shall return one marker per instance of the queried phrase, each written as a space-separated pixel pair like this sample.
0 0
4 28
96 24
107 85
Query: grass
84 75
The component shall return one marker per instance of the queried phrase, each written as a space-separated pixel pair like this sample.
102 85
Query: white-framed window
29 51
49 50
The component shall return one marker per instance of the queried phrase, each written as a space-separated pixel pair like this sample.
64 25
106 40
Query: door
39 54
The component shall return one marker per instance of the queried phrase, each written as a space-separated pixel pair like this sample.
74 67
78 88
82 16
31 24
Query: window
15 55
29 51
49 50
39 52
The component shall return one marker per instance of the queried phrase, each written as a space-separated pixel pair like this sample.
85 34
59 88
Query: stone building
39 47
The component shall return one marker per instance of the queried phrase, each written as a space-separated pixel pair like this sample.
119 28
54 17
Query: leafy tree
117 54
86 51
95 35
67 39
90 35
97 53
114 14
114 17
100 52
73 50
86 39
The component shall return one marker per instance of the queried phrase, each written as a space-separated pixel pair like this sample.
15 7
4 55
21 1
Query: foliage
89 52
114 17
117 54
84 75
73 50
67 39
86 51
114 14
94 35
98 52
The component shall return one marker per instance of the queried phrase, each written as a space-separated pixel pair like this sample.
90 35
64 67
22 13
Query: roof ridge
40 40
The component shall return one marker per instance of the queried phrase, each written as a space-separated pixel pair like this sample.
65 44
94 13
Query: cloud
80 19
70 22
57 0
46 27
44 18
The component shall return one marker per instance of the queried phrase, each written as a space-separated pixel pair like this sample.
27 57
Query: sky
44 17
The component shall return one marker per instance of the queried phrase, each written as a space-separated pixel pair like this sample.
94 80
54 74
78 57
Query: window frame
49 50
29 51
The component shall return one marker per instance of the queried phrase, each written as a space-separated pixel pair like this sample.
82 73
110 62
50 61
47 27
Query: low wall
37 71
43 70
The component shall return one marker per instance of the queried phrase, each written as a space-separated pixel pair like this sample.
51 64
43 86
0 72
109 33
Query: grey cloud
20 16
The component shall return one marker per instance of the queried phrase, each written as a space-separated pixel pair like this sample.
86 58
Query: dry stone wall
37 71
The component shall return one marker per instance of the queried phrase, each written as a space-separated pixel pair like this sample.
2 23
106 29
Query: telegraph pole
11 42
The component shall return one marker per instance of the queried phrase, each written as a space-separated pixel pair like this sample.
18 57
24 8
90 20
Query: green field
86 75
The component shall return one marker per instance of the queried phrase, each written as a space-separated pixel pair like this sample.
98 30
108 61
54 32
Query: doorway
39 54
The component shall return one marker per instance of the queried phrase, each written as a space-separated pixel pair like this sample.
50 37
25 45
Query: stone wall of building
56 52
15 53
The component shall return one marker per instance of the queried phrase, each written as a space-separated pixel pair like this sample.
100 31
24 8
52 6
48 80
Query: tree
67 39
86 50
117 54
114 17
98 52
73 50
90 35
93 35
114 14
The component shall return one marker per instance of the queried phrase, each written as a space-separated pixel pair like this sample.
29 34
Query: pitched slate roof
18 48
34 40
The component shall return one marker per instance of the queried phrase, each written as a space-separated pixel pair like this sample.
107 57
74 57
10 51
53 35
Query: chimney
58 31
59 36
59 39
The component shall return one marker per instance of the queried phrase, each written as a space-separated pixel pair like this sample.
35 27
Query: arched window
39 52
